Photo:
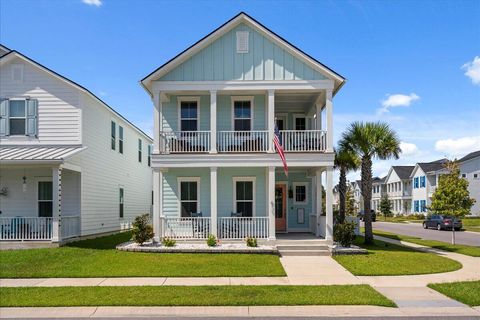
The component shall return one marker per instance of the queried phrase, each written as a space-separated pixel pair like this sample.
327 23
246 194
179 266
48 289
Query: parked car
440 222
361 215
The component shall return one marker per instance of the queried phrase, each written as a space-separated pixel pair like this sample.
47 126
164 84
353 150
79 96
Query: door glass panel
278 203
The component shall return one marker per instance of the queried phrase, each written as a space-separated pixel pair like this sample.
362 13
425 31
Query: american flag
278 145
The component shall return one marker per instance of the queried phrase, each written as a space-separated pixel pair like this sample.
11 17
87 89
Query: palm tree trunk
367 196
342 190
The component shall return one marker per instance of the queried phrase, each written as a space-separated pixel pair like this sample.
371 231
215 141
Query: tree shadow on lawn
103 243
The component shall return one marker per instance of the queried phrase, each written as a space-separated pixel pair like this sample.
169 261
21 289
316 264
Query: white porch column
318 116
56 204
271 202
329 115
157 122
271 119
213 200
318 200
213 121
328 204
156 205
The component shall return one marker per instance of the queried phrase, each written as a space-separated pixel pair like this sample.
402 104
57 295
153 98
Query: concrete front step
304 253
301 242
301 247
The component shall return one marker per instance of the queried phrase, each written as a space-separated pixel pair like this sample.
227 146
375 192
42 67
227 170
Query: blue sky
413 64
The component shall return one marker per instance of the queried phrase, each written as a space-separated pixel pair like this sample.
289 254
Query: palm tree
369 140
345 161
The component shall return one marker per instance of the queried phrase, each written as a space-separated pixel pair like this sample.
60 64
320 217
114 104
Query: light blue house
216 105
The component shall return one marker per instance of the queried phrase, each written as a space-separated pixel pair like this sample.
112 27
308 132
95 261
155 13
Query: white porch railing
242 141
70 226
185 227
303 140
242 227
185 141
25 228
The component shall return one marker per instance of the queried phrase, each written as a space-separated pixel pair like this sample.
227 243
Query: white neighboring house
69 164
424 179
470 170
357 194
398 187
378 190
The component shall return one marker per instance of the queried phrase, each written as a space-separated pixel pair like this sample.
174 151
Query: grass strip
467 292
385 259
99 258
192 296
458 248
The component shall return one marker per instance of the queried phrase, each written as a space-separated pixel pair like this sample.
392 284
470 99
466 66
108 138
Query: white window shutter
242 41
4 117
32 115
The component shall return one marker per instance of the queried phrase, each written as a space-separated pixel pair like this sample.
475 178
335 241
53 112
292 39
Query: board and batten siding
105 170
220 61
59 114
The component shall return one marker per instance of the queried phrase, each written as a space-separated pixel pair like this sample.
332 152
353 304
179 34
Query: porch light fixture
24 186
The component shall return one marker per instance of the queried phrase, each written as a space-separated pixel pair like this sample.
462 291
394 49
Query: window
120 139
139 150
244 196
464 175
17 117
415 183
189 114
423 206
45 198
242 41
300 193
415 205
120 202
113 133
242 114
189 196
475 176
422 182
149 159
300 123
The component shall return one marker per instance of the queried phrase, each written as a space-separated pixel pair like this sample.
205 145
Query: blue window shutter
4 117
32 112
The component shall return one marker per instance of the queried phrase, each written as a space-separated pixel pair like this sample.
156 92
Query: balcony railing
303 140
242 141
185 141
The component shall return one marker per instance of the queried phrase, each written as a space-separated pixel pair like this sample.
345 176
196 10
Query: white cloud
458 147
397 100
96 3
408 149
472 70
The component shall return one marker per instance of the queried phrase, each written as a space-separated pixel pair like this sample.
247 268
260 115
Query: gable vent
242 41
17 73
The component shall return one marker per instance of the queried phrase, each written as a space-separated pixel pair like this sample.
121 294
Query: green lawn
192 296
471 224
384 259
458 248
467 292
400 219
98 258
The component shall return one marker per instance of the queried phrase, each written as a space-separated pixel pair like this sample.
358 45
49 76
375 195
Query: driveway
416 230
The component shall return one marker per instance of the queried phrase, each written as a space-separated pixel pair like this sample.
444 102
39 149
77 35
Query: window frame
120 139
140 149
254 198
121 202
25 117
299 116
37 184
252 108
149 154
179 107
179 188
300 184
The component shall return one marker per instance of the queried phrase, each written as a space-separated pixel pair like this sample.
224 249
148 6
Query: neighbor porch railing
70 226
242 141
303 140
185 227
26 228
242 227
185 141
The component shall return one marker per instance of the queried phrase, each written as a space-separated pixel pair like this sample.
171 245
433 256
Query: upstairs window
415 183
113 135
139 150
242 115
422 182
189 115
149 159
18 117
120 202
120 139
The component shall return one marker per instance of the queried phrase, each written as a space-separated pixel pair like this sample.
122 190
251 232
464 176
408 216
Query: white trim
254 200
242 98
187 99
179 188
295 117
299 184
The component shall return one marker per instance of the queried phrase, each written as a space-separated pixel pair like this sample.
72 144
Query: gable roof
470 156
403 172
13 53
432 166
242 17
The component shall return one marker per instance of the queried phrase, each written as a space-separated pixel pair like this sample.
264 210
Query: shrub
168 242
142 229
252 242
344 233
212 241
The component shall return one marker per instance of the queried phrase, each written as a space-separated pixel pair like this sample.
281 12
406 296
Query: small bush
252 242
212 241
344 233
142 230
169 242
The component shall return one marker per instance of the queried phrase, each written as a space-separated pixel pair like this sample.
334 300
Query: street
416 230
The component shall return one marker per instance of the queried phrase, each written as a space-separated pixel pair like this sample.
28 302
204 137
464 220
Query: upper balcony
243 123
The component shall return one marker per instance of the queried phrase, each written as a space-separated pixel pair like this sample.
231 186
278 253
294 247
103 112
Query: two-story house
424 179
69 164
216 107
398 187
470 170
378 190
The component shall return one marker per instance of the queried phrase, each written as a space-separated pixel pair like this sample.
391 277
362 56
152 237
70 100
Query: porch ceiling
301 101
